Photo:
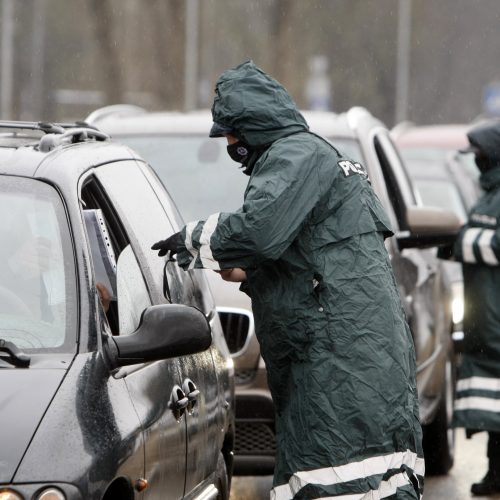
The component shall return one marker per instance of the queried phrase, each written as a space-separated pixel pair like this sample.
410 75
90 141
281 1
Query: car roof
449 136
122 120
55 155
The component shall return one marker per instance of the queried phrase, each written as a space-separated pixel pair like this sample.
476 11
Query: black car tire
439 435
222 479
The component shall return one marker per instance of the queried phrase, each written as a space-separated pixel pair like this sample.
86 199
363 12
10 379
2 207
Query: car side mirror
165 331
429 227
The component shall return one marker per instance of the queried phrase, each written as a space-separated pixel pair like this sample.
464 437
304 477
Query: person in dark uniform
308 244
477 404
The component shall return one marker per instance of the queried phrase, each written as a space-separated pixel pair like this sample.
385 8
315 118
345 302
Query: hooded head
485 144
254 107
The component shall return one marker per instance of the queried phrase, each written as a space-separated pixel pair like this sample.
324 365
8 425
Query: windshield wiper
16 356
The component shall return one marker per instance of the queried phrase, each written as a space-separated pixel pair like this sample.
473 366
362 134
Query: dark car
116 381
198 170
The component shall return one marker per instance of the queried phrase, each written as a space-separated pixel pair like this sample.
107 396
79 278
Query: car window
194 283
195 169
132 294
117 273
38 305
389 155
422 153
146 222
441 193
396 179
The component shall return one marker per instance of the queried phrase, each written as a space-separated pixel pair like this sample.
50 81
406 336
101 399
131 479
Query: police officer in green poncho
477 405
308 244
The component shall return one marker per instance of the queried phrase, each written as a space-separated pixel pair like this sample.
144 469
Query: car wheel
439 435
222 479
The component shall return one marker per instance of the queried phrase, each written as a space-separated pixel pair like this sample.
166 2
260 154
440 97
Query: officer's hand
172 244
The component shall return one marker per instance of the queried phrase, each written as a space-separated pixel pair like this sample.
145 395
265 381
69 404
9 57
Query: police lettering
484 220
348 168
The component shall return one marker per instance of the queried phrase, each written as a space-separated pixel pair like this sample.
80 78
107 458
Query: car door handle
178 402
192 392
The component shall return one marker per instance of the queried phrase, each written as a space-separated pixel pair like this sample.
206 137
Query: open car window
118 277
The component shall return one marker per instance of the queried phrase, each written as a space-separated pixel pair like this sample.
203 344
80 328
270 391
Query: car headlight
457 302
51 494
9 495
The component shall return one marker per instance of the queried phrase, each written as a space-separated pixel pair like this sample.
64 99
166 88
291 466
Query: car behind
445 178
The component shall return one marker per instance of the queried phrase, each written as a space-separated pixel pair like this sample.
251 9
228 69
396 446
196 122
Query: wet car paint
91 415
22 409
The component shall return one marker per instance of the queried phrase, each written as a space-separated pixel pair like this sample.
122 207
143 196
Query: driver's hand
235 275
104 296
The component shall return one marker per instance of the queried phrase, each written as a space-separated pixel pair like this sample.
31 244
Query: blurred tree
166 20
454 53
285 59
105 18
99 52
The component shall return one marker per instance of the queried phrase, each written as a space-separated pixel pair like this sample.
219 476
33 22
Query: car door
145 217
203 451
416 270
152 385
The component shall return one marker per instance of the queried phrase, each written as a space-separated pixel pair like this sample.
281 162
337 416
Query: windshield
196 170
441 193
423 153
37 275
438 155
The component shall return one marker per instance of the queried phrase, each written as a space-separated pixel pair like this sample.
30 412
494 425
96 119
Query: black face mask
483 162
240 152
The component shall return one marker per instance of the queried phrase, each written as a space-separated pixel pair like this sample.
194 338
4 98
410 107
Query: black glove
172 243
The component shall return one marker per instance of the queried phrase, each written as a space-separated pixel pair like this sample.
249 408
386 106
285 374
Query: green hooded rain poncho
477 405
339 354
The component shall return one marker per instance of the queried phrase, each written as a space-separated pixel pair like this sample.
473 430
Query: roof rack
46 127
57 134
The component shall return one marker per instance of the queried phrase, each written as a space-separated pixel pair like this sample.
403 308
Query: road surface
470 466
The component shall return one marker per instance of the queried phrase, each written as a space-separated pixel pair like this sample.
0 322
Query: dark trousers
494 452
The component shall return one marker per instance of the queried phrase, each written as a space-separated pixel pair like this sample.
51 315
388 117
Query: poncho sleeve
477 245
281 193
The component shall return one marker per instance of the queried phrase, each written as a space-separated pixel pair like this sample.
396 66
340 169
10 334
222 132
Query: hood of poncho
487 139
257 107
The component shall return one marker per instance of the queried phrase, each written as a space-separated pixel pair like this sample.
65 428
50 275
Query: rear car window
38 302
196 170
441 193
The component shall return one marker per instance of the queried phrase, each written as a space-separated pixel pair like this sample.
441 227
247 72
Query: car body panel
96 421
25 407
149 387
